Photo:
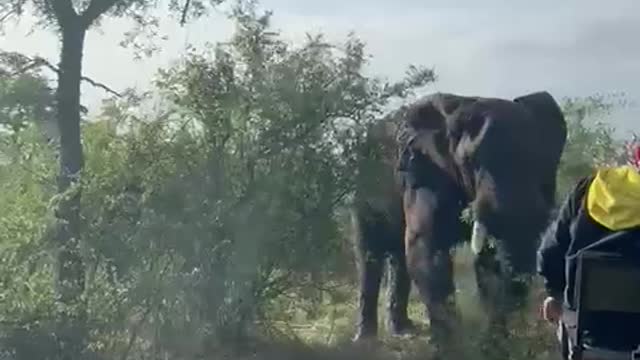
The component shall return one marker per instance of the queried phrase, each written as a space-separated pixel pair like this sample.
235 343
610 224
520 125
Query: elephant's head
499 156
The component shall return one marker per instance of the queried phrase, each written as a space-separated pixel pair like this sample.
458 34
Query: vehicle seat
606 322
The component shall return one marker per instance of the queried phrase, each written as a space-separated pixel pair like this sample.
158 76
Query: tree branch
185 11
8 13
63 10
95 9
39 62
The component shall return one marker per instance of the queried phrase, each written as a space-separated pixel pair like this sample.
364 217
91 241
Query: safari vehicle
605 321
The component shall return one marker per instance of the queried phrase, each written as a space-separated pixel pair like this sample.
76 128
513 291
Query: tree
591 142
71 20
279 125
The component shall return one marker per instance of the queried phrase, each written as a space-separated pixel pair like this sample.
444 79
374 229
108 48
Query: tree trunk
70 271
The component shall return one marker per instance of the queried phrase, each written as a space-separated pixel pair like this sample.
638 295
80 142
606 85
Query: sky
499 48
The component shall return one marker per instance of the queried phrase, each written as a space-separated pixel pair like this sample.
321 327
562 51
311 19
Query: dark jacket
605 204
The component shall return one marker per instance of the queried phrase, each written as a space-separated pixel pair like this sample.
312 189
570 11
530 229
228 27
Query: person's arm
555 243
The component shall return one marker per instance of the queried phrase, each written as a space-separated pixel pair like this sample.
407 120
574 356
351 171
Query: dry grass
326 334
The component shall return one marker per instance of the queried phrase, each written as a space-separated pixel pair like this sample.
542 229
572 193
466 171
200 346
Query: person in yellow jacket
604 204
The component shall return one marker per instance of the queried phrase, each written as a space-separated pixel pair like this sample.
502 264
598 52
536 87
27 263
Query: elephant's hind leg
370 263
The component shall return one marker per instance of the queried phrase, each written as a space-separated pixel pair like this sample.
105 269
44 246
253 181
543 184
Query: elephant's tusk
478 237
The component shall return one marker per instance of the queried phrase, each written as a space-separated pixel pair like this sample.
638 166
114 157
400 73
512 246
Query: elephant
420 167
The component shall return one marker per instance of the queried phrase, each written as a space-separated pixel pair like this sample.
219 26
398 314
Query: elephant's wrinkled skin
425 163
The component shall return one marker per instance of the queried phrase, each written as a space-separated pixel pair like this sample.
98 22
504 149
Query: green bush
198 219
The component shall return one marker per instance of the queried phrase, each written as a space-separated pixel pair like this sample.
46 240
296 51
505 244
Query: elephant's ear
549 120
542 105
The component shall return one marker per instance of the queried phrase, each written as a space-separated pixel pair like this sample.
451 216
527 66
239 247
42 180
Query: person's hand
551 310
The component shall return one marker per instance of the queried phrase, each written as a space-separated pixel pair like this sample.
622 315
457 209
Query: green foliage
591 142
25 273
25 95
198 222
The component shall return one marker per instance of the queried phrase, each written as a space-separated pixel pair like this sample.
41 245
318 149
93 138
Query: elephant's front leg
433 227
501 294
490 280
503 275
398 293
433 276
